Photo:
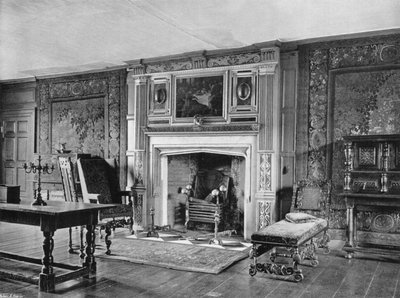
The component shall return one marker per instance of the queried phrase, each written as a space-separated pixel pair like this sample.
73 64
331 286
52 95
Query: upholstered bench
290 238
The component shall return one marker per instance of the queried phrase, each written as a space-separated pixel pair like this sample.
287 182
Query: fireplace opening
206 177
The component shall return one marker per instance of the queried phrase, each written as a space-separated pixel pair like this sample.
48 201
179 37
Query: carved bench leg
297 274
324 242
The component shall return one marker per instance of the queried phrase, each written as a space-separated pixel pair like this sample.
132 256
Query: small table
56 215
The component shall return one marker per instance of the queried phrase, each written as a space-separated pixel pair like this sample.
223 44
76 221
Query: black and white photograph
200 148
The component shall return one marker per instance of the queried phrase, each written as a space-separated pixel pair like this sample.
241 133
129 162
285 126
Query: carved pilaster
265 170
138 168
140 110
263 219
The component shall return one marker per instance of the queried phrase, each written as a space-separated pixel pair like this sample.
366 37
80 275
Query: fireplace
200 161
207 114
203 173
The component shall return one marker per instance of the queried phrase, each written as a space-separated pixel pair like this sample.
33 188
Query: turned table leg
47 277
89 260
107 239
82 245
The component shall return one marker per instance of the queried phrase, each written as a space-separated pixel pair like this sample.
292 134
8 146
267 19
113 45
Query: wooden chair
290 241
100 185
70 193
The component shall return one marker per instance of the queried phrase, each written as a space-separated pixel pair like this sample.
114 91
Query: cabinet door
16 149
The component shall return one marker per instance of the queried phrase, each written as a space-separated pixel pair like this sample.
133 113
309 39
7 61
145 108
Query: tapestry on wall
365 103
66 102
79 125
350 88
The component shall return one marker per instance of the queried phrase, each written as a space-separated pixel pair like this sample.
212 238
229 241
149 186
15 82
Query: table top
54 207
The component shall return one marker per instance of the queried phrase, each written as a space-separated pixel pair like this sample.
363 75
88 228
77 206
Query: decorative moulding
160 102
265 58
244 91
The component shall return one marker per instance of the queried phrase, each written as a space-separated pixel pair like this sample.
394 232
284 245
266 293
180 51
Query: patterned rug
171 251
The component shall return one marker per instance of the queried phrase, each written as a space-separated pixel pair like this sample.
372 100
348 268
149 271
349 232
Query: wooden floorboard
335 276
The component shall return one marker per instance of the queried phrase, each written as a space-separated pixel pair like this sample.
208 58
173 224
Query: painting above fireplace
201 95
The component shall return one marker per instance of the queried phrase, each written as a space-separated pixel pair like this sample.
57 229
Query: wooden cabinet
372 193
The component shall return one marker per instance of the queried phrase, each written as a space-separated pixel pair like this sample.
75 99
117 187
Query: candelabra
39 169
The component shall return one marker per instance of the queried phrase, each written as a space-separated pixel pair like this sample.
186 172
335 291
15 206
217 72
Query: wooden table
56 215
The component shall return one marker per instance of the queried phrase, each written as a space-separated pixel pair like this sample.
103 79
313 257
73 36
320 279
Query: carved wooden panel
264 209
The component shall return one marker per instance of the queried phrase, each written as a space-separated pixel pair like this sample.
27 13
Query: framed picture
201 96
159 103
244 89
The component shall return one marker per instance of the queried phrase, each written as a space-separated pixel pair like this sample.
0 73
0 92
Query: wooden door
17 146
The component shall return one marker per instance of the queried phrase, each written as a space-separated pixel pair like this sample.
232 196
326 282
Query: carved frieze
169 66
381 222
267 56
216 127
77 88
230 60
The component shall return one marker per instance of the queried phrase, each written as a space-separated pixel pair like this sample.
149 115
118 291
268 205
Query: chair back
97 176
312 197
68 179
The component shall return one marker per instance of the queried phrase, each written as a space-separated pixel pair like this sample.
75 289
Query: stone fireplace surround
161 147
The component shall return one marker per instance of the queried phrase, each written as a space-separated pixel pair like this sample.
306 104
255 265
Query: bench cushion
288 233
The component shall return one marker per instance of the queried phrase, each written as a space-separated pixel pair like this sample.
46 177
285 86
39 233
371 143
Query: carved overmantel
244 104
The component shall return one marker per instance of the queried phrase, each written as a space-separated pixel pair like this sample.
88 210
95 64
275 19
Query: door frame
14 115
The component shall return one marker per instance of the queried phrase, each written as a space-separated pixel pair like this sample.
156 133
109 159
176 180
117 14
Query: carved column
136 120
268 139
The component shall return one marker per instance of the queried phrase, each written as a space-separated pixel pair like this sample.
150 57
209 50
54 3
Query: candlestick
39 169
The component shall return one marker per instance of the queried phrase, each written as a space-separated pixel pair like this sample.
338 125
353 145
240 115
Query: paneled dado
205 102
347 88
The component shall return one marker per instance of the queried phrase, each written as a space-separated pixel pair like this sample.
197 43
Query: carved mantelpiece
201 102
